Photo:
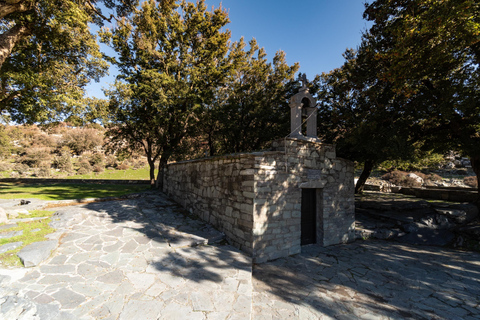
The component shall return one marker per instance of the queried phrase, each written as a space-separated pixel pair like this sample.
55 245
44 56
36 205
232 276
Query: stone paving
131 259
142 259
369 280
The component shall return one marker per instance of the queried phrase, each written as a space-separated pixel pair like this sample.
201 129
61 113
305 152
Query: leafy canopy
171 59
49 55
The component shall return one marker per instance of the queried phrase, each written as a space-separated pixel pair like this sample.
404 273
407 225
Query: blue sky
314 33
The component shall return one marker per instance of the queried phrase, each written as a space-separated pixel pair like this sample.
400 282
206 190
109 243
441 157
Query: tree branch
10 6
8 40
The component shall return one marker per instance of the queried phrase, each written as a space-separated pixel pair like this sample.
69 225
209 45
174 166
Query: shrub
82 171
43 140
471 181
63 163
111 161
81 140
5 166
36 157
122 166
98 168
96 159
21 168
43 172
138 164
84 167
396 177
434 177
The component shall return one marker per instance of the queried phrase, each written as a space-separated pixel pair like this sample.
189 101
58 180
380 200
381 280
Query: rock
461 214
384 233
411 227
8 226
3 216
10 246
11 234
35 253
415 177
17 308
12 214
429 237
442 222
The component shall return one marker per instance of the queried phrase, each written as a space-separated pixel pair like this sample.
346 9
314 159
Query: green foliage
51 56
421 161
252 108
171 59
411 85
431 50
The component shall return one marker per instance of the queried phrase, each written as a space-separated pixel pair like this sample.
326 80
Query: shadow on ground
371 278
349 281
178 242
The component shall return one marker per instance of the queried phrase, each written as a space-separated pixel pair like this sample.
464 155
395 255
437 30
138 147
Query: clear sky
314 33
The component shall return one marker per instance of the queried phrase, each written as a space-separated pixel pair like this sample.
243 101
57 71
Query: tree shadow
374 277
180 244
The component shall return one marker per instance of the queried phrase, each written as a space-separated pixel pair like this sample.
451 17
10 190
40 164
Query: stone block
249 195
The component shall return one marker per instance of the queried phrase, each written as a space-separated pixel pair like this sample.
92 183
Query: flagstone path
143 258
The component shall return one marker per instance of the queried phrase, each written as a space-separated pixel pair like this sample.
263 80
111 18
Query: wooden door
308 217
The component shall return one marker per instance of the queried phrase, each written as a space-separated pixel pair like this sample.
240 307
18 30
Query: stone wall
220 191
255 199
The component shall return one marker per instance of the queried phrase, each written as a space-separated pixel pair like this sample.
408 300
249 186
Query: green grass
35 214
65 191
129 174
10 258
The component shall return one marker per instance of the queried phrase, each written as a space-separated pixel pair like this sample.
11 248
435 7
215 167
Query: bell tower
303 105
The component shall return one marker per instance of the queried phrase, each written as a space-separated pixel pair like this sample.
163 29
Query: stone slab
10 246
35 253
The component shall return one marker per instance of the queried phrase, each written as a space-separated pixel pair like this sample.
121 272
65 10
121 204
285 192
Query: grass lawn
65 191
129 174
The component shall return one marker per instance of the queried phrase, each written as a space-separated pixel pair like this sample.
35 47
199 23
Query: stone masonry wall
255 199
280 177
220 191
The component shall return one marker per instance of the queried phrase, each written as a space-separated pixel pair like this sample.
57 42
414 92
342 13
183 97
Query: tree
48 55
251 109
431 50
172 58
362 114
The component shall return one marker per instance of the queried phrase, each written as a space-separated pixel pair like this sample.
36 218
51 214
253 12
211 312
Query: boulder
415 177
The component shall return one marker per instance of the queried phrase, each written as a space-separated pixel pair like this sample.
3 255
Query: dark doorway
309 213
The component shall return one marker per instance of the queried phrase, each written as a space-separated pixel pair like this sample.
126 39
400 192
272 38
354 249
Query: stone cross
304 80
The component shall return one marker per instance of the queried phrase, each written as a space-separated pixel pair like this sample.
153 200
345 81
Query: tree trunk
475 161
151 164
367 170
211 146
8 40
161 173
